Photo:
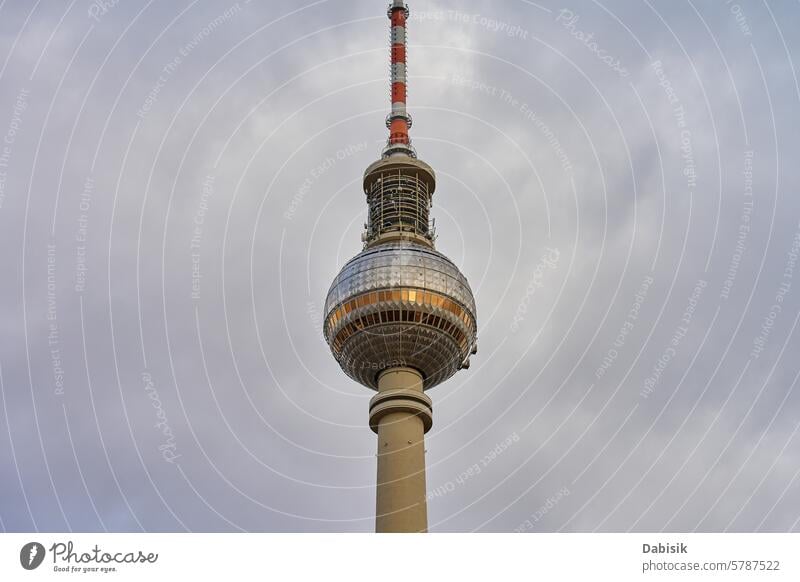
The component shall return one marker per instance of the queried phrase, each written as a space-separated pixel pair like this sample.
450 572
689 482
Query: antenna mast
399 121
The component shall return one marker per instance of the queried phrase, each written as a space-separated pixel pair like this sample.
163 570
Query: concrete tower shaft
401 414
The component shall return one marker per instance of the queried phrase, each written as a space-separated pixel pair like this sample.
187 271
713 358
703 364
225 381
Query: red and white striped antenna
399 121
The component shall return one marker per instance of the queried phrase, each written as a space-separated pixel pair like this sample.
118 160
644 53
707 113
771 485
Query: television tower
400 316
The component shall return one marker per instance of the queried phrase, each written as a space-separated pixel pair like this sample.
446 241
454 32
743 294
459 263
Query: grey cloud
272 436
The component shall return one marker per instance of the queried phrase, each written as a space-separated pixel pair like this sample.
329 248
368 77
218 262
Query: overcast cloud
180 183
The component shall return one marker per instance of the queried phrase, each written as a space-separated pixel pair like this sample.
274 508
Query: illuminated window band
410 298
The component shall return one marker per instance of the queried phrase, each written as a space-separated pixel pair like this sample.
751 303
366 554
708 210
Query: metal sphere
400 304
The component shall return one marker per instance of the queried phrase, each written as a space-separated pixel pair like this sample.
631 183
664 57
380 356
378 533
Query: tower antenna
399 121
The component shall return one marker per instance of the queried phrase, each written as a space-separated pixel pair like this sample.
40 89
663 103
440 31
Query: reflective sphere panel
400 304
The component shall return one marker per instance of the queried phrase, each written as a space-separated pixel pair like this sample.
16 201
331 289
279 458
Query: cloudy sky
179 184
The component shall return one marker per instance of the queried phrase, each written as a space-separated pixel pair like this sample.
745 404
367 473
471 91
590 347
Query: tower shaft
401 415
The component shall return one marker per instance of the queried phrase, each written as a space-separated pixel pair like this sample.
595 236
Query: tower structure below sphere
400 317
